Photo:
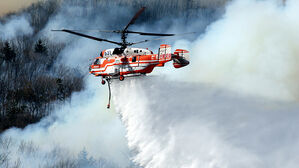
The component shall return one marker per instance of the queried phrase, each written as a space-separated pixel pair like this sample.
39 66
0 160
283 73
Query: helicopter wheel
121 78
103 82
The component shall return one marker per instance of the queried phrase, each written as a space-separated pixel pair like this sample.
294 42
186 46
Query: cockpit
118 51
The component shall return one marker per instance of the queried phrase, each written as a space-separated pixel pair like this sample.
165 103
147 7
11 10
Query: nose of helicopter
90 69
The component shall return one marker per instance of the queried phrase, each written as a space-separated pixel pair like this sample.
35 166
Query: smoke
253 49
15 26
82 124
238 105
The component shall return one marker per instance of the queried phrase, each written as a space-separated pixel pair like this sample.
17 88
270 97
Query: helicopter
125 61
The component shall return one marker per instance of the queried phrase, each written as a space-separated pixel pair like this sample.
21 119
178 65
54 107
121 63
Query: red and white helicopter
118 63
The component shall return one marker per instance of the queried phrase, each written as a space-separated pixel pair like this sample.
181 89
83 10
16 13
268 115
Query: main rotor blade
150 34
96 30
120 31
161 38
134 18
88 36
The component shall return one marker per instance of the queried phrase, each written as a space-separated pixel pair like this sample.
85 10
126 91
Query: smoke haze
17 25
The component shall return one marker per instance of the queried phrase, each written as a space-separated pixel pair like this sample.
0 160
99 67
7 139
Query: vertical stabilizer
164 53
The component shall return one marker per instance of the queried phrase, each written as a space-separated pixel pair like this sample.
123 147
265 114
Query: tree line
13 154
30 82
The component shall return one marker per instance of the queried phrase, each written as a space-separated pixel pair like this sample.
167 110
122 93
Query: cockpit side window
96 62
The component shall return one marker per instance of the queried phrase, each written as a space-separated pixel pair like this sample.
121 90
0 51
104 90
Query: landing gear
121 78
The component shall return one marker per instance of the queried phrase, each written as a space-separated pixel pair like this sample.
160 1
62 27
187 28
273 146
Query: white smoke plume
253 49
15 26
240 110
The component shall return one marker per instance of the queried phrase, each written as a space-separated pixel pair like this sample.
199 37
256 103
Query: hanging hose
109 82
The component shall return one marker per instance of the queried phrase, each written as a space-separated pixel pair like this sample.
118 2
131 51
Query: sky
7 6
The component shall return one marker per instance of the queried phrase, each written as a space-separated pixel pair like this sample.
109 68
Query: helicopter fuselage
132 61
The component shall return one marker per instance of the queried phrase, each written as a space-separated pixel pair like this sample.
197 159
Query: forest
30 81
